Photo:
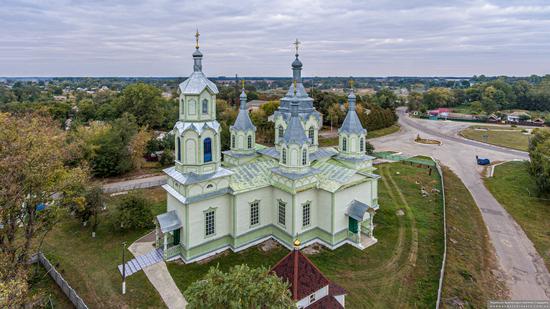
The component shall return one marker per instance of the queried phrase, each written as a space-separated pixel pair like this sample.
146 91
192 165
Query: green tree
35 185
144 102
539 152
385 98
240 287
438 97
134 212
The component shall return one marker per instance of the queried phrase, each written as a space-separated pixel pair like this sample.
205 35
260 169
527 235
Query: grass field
500 136
515 189
46 291
470 278
90 264
401 270
333 141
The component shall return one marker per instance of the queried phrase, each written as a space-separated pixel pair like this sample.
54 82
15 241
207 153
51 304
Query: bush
167 158
134 212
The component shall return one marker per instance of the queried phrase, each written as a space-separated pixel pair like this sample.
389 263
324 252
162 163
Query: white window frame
306 214
249 141
284 155
304 156
281 212
255 213
312 298
210 231
344 144
362 144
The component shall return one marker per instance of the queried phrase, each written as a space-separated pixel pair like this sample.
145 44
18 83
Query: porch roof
169 221
357 210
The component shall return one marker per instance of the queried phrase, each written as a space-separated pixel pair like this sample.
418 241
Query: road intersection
524 270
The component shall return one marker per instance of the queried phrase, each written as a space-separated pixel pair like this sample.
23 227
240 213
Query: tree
92 206
335 114
240 287
385 98
438 97
134 212
144 102
137 147
413 101
539 152
35 184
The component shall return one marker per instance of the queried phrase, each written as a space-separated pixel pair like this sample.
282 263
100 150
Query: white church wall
287 198
302 198
323 209
243 200
360 192
196 229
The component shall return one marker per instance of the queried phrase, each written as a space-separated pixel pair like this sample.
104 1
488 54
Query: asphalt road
524 270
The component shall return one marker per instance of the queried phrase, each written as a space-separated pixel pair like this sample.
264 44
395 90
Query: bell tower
197 132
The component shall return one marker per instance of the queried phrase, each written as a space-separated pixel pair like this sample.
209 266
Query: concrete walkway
158 274
526 275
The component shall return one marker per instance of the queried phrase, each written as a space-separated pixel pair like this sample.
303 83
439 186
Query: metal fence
59 280
392 156
442 271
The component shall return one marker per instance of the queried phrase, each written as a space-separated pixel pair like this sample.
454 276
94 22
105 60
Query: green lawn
90 264
469 276
500 136
515 189
45 290
401 270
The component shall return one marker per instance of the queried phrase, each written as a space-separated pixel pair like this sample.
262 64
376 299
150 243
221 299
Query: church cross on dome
197 35
297 45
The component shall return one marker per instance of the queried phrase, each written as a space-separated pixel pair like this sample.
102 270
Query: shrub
134 212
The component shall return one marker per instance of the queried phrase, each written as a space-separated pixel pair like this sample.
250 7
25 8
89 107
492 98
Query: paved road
524 269
138 183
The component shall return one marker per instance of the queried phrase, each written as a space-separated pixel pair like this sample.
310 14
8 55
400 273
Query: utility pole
123 269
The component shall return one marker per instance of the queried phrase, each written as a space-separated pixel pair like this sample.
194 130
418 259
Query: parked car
483 161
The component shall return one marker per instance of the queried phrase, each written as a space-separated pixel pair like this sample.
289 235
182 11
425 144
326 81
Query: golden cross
242 83
297 43
197 38
351 83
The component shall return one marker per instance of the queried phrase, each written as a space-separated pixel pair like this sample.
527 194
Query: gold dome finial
351 82
197 34
242 84
297 244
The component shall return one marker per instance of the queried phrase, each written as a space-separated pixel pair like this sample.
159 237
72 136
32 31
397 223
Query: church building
293 190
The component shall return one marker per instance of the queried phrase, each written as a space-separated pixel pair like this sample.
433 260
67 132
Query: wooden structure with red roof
308 286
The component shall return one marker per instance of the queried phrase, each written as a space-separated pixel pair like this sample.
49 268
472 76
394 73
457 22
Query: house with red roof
308 286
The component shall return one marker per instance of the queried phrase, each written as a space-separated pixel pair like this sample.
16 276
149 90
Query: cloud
254 38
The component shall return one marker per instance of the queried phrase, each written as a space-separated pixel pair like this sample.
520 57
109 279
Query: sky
254 38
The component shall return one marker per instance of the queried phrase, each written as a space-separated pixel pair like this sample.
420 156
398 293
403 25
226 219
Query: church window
281 131
282 212
304 157
232 141
254 213
312 298
207 149
345 144
284 156
205 106
306 214
311 133
179 149
209 223
362 144
250 142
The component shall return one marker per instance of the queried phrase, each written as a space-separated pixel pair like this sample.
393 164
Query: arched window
311 133
179 149
207 149
250 142
205 106
284 156
362 144
345 144
232 141
281 132
304 157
